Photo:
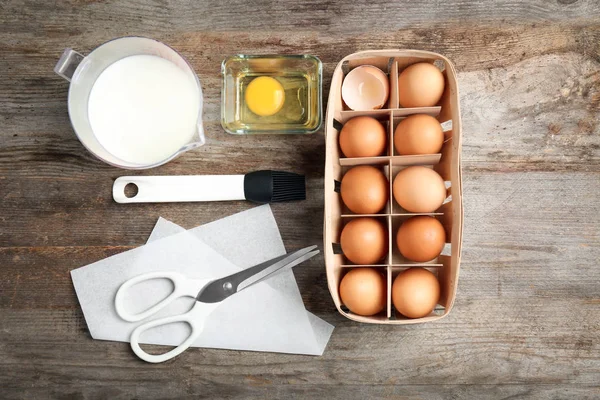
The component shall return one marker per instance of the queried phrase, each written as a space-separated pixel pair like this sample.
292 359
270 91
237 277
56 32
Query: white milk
143 108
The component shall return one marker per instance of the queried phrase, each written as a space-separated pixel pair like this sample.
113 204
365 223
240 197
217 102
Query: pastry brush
259 186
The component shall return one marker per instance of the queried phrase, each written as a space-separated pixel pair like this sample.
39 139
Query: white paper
268 231
267 317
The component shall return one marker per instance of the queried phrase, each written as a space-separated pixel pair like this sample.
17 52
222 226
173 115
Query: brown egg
364 189
363 291
364 241
421 238
363 137
415 292
420 85
419 189
418 134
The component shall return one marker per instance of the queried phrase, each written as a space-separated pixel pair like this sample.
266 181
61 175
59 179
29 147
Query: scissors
209 293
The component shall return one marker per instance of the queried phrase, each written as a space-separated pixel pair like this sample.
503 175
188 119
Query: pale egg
419 189
420 85
365 88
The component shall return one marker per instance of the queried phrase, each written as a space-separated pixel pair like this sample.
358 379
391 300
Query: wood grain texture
527 315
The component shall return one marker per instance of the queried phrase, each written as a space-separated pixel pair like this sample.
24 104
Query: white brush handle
166 189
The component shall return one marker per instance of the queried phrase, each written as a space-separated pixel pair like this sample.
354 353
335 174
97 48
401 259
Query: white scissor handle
182 286
194 318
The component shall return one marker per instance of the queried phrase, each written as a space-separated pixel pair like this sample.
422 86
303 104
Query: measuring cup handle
68 63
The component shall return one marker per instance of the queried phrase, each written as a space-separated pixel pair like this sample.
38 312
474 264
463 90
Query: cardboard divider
405 112
445 102
447 219
380 62
390 307
444 166
393 76
351 162
379 114
446 163
446 278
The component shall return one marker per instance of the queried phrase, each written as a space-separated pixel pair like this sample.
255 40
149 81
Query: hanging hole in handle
131 190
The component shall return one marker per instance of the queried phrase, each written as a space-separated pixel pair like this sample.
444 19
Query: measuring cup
82 71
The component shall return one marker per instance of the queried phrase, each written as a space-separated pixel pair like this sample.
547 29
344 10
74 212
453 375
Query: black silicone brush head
274 186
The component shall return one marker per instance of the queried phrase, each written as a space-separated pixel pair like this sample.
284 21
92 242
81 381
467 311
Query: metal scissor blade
219 289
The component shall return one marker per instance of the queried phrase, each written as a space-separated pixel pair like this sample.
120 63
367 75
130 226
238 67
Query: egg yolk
264 96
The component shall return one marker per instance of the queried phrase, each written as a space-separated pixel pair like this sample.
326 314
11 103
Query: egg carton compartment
396 209
386 261
385 64
385 118
397 117
344 211
396 258
393 314
385 313
402 63
380 114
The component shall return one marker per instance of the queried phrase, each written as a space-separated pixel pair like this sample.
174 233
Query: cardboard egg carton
446 163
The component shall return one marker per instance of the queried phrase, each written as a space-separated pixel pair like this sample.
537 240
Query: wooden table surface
527 317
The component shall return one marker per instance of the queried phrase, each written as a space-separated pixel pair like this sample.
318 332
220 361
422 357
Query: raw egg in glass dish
365 88
265 96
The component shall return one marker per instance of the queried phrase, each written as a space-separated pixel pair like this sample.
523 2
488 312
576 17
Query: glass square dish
301 79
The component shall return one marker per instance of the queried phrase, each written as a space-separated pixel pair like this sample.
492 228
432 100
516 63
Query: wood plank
169 17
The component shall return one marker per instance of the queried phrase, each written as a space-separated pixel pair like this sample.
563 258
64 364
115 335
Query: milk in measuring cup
143 108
